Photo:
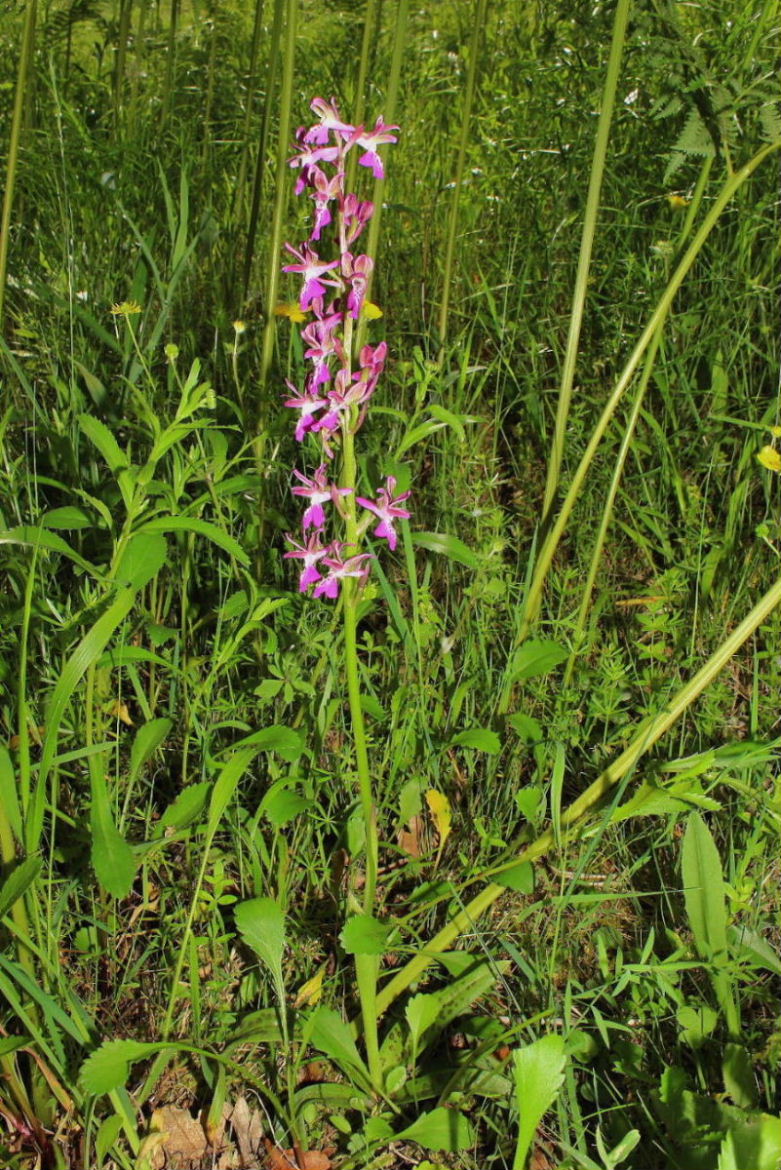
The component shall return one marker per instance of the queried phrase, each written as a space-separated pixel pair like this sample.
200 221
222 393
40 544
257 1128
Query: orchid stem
366 966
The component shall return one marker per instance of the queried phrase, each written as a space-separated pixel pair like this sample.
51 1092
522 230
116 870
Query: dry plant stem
534 597
25 59
647 734
584 259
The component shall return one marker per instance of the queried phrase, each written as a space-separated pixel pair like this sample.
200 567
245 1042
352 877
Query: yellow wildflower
126 309
770 458
292 310
371 311
678 201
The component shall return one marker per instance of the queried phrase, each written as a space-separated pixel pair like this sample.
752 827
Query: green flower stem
366 966
647 734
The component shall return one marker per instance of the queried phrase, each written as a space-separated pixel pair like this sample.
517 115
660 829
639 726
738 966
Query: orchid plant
331 407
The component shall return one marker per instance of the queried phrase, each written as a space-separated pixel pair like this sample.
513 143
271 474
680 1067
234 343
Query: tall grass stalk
626 443
466 125
388 113
542 565
251 81
272 59
280 199
584 258
648 733
12 157
359 97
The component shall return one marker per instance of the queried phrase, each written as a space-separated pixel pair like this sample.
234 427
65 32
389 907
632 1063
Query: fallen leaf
248 1129
411 837
183 1139
439 807
310 992
279 1159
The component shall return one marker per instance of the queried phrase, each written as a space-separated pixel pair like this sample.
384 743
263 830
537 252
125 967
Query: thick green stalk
647 734
241 181
466 120
23 72
539 576
584 259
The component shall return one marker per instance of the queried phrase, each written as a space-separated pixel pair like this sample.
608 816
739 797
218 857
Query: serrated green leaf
112 858
261 924
519 877
536 657
539 1074
440 1129
448 546
99 434
331 1035
143 559
364 935
285 741
479 738
108 1068
68 518
187 807
146 742
421 1012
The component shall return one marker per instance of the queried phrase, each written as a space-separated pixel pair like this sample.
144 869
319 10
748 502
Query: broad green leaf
536 657
108 1068
112 857
226 784
18 881
286 742
205 528
539 1074
261 924
99 434
281 805
146 742
519 877
704 893
364 935
479 738
449 546
738 1072
422 1012
331 1035
756 1142
9 1044
441 1129
187 807
108 1132
696 1023
88 650
69 518
749 946
143 559
32 537
417 434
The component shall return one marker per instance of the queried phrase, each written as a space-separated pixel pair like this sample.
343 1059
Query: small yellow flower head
371 311
292 310
172 352
240 327
776 432
126 309
678 201
770 458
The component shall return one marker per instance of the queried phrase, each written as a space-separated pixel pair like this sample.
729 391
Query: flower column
332 406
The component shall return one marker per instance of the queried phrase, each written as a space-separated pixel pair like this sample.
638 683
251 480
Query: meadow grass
568 670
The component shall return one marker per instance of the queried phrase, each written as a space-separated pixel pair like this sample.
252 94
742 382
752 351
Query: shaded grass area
136 134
